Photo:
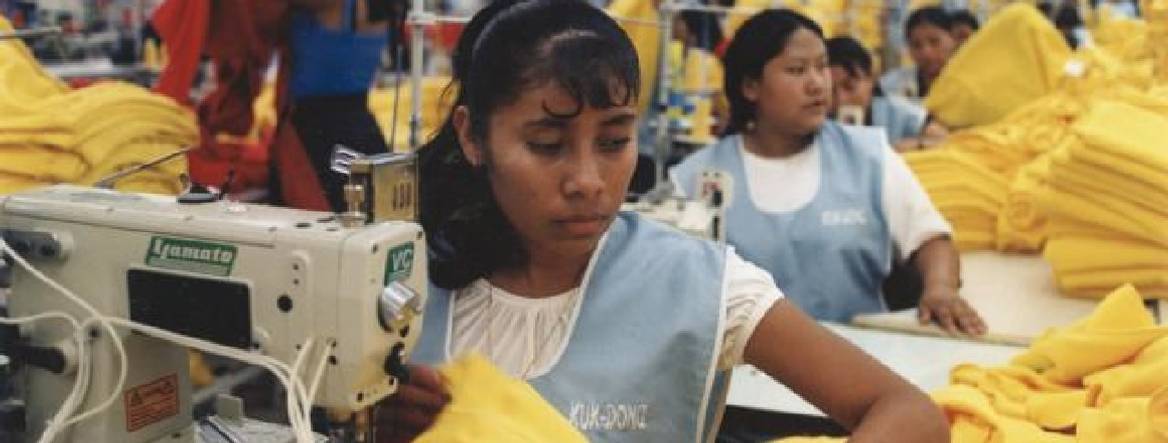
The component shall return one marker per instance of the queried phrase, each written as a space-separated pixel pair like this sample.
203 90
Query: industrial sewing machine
250 277
701 216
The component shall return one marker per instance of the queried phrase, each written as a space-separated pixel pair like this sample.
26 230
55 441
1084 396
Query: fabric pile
1108 203
1099 380
1029 139
969 195
52 134
487 406
1016 58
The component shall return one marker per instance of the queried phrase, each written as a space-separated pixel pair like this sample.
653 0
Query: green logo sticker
191 255
400 263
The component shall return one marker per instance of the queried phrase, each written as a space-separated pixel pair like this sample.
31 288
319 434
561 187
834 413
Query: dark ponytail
508 46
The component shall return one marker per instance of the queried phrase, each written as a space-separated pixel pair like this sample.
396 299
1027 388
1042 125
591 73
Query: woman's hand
415 406
950 311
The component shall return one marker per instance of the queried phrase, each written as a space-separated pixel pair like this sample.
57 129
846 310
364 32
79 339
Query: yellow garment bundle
1106 181
1081 253
1126 131
1017 57
1022 223
967 194
1103 379
1118 329
51 134
41 162
1116 215
1153 283
487 406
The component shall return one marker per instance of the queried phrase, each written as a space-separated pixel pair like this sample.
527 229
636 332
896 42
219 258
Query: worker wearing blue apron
824 208
626 327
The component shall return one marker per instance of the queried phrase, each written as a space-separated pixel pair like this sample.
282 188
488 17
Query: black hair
760 39
508 47
704 25
963 17
1067 19
930 15
849 54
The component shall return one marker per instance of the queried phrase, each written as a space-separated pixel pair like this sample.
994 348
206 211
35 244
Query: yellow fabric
1127 131
1127 420
639 20
967 194
973 419
1040 396
51 134
1016 57
1142 377
488 406
1118 329
436 104
1021 223
1116 215
1102 379
1106 182
1082 253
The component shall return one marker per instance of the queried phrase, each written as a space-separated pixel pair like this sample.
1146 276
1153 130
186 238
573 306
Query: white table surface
1015 294
924 361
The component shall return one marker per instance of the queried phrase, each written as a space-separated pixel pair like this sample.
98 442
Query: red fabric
182 24
241 37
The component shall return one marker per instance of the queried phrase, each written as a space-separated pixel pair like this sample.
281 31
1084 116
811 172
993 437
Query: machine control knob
396 302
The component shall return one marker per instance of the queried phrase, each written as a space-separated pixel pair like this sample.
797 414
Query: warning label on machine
151 402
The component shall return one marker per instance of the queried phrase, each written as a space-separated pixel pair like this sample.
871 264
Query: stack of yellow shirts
489 407
1100 380
967 194
1108 203
51 134
1016 58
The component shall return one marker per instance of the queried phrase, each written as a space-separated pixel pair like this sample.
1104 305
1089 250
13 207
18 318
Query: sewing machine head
250 277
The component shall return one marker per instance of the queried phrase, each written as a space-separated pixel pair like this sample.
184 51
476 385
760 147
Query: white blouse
526 336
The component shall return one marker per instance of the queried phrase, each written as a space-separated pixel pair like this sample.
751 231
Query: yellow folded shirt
1116 215
42 162
1127 131
10 183
487 406
1150 282
1095 180
1118 329
1018 56
1084 253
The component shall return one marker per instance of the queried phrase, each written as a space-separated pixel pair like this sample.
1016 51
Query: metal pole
664 84
419 20
28 33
